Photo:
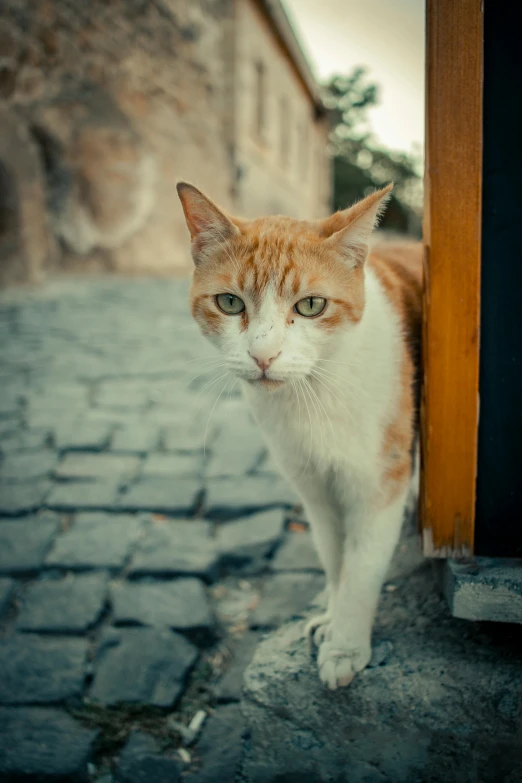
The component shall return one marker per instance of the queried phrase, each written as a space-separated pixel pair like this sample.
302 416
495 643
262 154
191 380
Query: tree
360 164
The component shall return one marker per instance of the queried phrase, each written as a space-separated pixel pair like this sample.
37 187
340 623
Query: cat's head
275 294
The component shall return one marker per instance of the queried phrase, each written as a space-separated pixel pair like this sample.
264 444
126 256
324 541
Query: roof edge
279 19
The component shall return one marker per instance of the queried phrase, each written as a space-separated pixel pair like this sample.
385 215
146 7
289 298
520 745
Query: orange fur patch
398 267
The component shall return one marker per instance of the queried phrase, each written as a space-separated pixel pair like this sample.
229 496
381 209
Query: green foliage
360 164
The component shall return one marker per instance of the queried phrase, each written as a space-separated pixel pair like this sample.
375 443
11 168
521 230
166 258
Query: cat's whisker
178 369
232 388
329 389
308 390
301 433
207 369
312 390
352 364
211 383
345 364
328 373
341 384
201 359
319 374
310 422
298 404
212 411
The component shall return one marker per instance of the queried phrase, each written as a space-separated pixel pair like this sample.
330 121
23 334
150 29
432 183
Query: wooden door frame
452 241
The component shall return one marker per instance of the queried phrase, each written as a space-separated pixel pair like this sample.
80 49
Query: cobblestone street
145 539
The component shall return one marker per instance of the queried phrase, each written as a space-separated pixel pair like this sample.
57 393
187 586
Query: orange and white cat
324 335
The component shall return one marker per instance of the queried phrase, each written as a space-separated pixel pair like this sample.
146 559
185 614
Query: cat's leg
368 548
328 535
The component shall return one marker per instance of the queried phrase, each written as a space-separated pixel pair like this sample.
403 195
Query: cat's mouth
267 383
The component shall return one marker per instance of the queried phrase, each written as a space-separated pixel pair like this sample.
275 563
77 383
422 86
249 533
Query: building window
284 130
260 99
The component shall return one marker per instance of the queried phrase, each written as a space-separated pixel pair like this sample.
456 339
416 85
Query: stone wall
120 98
107 104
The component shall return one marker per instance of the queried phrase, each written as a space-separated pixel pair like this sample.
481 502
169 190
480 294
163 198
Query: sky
385 35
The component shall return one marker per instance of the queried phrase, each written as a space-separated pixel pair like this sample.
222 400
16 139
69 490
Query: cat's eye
230 304
310 306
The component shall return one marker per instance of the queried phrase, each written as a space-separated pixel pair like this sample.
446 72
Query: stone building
105 105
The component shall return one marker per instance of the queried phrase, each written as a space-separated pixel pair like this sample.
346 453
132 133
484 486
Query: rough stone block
97 466
38 670
69 605
10 403
231 684
9 428
96 540
485 589
72 496
83 436
6 591
238 448
181 548
267 465
61 416
58 396
220 747
250 539
25 440
25 543
27 467
141 762
166 496
297 553
232 497
285 596
58 422
39 744
123 395
182 605
189 437
172 465
142 666
137 438
18 499
423 714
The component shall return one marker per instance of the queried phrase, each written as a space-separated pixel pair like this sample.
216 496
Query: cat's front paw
318 629
339 665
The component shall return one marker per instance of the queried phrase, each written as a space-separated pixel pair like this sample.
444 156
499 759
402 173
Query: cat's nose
262 361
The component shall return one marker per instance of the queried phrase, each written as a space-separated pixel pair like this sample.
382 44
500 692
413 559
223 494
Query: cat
324 334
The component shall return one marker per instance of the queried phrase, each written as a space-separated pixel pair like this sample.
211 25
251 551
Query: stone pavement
145 541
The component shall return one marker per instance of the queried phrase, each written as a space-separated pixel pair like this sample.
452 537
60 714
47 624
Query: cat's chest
307 429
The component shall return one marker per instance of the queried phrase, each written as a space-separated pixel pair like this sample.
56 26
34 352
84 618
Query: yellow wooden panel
452 235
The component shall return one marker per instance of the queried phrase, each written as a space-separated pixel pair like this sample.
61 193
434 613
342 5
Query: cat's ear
209 227
349 231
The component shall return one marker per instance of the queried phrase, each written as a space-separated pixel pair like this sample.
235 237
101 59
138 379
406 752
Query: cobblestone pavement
145 539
